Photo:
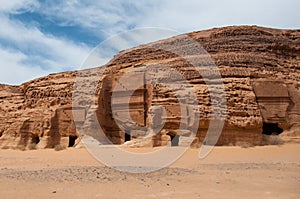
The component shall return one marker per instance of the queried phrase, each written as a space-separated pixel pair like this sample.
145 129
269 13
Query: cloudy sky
38 37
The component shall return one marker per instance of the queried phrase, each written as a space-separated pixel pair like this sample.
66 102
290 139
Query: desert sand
227 172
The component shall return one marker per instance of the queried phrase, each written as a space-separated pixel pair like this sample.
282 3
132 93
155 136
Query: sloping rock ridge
260 70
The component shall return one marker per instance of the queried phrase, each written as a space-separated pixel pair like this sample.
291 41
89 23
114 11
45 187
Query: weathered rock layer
259 69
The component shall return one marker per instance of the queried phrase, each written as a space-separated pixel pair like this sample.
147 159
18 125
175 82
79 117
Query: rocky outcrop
28 111
259 69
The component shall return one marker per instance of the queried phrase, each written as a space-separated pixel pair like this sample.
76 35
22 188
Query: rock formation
260 70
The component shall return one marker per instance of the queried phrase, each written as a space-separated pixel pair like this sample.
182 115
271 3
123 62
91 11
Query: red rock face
259 68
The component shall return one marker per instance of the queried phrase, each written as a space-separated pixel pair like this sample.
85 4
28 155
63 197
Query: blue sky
38 37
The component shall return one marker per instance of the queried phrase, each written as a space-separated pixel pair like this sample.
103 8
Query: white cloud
119 15
66 52
108 16
35 52
193 15
12 69
41 52
15 6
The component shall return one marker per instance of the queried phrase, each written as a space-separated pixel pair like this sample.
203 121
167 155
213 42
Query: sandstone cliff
259 68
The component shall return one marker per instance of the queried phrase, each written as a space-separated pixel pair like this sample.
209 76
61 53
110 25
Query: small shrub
5 147
22 147
244 144
59 147
230 144
272 140
32 146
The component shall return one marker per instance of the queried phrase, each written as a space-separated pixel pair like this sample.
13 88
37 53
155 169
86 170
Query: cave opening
174 138
127 135
72 139
35 139
271 129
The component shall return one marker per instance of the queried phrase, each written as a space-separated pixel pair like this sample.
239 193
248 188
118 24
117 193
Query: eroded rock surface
260 70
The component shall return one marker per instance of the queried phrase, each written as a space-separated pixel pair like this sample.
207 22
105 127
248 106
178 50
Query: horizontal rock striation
259 69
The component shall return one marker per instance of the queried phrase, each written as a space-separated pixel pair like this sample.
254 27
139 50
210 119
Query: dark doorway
72 139
271 129
127 135
35 139
174 139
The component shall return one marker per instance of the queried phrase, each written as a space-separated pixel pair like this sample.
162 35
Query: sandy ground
228 172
